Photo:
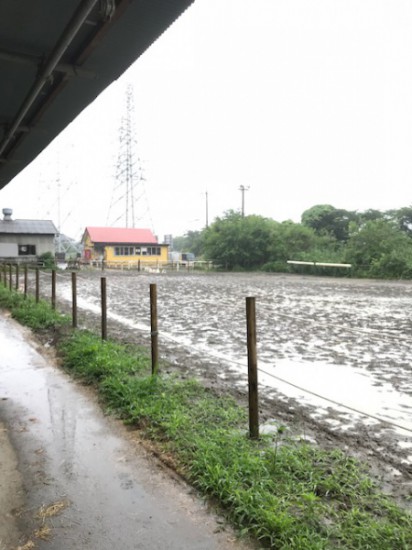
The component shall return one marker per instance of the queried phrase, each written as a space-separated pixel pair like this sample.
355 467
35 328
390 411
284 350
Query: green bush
48 260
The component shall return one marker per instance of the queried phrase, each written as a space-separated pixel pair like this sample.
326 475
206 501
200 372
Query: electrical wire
337 403
170 338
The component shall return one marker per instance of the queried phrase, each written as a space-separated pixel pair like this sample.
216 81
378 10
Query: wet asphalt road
115 496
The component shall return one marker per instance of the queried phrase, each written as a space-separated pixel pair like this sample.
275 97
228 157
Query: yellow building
123 247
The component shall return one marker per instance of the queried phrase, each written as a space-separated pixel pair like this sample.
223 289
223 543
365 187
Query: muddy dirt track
334 354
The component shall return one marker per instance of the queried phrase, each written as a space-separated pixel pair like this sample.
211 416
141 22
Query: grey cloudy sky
303 101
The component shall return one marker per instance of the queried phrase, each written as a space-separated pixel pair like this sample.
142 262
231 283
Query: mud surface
334 354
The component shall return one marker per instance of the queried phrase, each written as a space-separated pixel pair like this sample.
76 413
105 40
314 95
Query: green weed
37 316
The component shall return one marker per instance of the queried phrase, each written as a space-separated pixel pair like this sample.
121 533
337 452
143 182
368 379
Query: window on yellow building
137 250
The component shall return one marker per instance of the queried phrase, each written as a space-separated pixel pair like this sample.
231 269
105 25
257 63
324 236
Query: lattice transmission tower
129 204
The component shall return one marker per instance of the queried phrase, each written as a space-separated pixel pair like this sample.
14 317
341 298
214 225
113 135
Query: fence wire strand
370 333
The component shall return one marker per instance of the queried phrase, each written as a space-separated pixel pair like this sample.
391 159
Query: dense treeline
376 243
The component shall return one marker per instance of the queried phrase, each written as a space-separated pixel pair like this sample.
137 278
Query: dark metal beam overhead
57 57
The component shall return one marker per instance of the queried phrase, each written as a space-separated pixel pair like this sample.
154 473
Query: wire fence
149 328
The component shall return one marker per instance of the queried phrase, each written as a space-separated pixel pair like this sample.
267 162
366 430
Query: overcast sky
304 102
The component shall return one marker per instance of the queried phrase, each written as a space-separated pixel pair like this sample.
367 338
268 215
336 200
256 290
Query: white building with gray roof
25 240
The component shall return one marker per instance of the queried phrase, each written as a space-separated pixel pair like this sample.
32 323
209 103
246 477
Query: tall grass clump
36 315
95 360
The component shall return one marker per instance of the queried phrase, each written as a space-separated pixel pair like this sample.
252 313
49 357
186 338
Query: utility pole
58 205
242 189
207 210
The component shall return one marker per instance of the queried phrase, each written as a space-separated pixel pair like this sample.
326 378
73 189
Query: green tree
380 249
293 241
370 215
234 241
192 241
289 240
325 219
402 217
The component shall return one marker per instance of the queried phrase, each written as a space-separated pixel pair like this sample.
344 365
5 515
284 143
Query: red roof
121 235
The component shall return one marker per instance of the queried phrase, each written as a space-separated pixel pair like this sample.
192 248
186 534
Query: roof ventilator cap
7 212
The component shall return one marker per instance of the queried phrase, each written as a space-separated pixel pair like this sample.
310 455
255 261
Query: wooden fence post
252 368
153 329
53 289
104 307
17 276
25 281
74 300
37 285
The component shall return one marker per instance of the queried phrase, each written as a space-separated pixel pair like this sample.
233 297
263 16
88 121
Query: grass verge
287 494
